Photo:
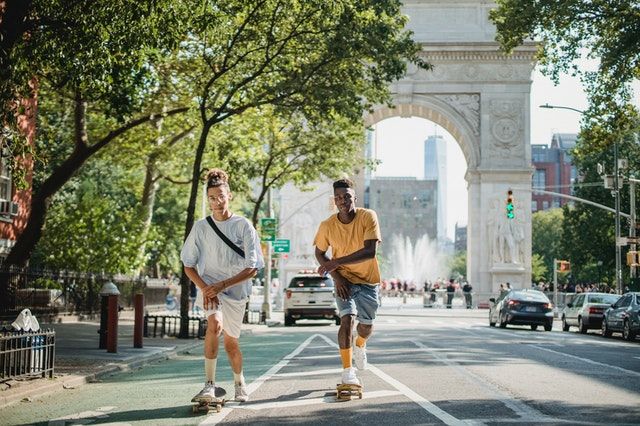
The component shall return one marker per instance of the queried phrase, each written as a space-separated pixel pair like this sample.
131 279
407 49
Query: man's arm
211 291
342 290
365 253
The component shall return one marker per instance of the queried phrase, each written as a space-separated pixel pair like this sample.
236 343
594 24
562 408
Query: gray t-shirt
215 260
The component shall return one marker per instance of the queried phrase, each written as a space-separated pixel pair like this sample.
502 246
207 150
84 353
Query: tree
539 271
267 150
458 264
588 232
546 236
603 30
103 60
313 56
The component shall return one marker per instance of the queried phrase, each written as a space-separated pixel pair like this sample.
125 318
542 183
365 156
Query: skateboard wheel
195 409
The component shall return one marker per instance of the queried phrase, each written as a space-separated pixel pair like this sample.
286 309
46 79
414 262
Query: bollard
138 322
107 290
112 324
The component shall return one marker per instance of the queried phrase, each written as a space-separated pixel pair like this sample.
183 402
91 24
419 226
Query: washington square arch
481 97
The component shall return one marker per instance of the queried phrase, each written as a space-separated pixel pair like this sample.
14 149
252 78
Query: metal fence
47 291
27 354
169 326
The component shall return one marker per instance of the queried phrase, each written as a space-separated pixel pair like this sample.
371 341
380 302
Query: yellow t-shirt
345 239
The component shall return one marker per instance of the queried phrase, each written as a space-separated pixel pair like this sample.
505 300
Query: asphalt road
424 370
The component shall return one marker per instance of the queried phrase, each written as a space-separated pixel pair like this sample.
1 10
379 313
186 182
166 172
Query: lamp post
616 195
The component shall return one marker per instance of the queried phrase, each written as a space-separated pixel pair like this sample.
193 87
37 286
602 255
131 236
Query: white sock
238 377
210 369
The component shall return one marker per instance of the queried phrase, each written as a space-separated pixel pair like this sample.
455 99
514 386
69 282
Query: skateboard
346 392
209 405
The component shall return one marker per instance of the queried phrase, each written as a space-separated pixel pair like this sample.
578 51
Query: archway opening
419 191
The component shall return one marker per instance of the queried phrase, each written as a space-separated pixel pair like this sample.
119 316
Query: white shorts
232 313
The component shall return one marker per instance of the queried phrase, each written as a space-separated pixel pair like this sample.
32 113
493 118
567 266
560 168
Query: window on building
545 205
534 206
540 178
555 204
5 179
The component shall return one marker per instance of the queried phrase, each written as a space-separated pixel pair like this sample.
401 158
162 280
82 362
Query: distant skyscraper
435 168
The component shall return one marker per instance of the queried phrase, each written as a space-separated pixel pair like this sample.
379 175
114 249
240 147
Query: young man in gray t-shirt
224 277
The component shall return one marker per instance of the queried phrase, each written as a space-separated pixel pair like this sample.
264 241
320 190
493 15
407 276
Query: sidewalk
78 359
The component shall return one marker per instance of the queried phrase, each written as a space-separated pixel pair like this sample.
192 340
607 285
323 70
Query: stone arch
439 112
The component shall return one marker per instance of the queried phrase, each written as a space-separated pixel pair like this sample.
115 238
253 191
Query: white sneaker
241 393
360 357
207 394
349 376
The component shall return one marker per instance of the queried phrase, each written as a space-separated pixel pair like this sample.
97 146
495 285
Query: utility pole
555 286
616 194
632 222
266 288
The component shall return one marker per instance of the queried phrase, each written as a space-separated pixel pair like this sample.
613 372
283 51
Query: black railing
27 354
50 292
169 326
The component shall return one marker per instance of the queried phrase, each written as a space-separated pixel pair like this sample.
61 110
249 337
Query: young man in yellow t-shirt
353 235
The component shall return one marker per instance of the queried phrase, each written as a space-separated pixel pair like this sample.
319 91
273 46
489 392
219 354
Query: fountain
420 263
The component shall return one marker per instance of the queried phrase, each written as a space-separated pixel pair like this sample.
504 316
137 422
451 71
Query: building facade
435 168
554 171
405 206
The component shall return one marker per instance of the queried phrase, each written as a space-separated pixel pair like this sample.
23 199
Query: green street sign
268 228
281 246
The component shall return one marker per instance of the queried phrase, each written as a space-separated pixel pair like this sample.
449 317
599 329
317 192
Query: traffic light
510 213
564 266
633 258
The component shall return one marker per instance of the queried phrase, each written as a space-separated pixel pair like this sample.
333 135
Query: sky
400 141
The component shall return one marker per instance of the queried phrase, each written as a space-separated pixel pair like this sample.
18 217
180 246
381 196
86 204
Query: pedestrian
353 236
451 288
221 255
466 290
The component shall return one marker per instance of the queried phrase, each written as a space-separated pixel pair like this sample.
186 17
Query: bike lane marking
589 361
430 407
228 408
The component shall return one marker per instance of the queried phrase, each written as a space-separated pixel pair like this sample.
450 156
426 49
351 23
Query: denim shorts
362 302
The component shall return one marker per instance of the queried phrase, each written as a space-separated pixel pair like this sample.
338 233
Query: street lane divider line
520 408
253 386
331 399
589 361
311 373
430 407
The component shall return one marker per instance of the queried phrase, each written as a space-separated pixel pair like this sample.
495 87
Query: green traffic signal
510 212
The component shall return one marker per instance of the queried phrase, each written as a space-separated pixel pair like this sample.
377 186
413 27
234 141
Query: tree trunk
191 208
147 203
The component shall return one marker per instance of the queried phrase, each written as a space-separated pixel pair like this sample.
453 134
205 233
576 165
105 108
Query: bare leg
345 333
364 330
211 337
232 346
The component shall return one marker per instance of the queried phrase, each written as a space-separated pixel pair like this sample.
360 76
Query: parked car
623 317
586 311
521 307
310 296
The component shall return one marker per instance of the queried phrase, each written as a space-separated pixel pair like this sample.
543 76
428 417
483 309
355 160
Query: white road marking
313 401
589 361
521 409
310 373
409 393
319 356
218 417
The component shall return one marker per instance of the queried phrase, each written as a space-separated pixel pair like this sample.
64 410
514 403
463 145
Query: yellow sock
361 341
346 355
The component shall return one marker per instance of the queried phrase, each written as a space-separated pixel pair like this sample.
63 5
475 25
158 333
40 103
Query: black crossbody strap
224 238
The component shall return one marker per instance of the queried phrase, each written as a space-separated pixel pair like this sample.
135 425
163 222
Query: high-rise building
554 171
435 168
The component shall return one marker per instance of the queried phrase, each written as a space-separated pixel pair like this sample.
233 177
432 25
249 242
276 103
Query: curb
73 381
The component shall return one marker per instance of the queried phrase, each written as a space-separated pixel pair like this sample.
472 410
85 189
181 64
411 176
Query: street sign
268 228
281 246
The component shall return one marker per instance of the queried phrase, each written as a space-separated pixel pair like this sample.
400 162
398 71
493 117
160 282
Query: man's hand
327 267
342 288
